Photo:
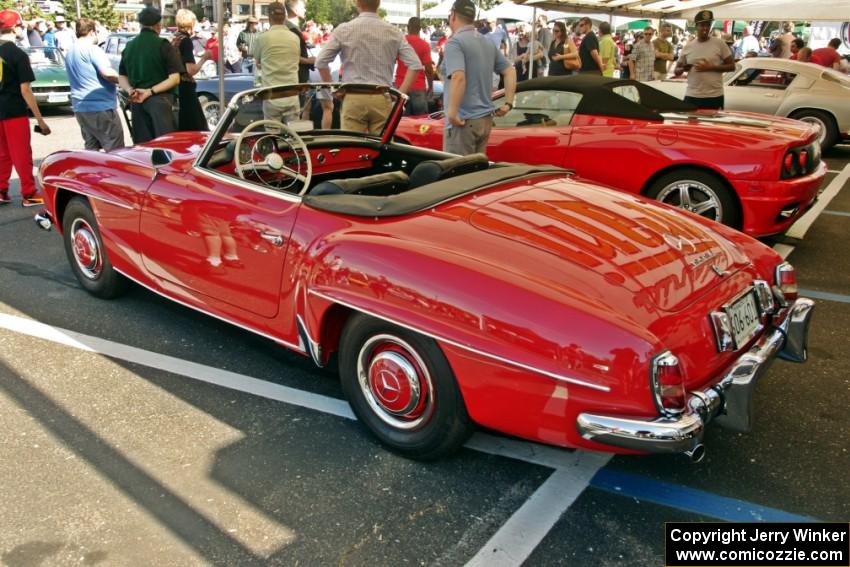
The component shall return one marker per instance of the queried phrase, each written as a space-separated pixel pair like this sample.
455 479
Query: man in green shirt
607 50
149 72
663 52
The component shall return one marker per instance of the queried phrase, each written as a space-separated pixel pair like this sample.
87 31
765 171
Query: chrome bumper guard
43 220
730 401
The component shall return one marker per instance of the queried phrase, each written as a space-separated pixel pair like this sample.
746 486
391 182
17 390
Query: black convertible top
599 98
426 196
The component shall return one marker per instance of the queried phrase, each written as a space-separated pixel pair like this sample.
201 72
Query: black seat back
434 170
382 184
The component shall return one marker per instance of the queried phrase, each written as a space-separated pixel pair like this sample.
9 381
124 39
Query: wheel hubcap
86 249
395 382
693 196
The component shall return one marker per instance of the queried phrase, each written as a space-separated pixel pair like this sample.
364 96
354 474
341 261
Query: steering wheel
274 162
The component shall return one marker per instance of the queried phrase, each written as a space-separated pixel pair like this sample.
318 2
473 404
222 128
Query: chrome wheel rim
819 123
693 196
395 382
86 248
212 111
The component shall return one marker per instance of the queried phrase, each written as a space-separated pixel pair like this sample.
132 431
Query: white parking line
512 543
799 228
783 250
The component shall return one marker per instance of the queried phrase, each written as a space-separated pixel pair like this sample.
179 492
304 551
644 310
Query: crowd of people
157 71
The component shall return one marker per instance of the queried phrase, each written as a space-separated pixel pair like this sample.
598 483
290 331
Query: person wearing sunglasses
642 60
563 53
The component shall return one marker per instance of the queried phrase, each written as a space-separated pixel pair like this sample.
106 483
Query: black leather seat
382 184
434 170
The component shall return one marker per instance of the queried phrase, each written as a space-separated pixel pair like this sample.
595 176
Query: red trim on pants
15 150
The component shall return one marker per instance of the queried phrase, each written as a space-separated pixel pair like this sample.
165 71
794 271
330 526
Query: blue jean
417 103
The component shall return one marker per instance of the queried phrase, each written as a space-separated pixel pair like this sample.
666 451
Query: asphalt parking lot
137 432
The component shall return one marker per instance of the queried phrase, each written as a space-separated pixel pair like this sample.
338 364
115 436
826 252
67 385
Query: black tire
86 254
426 426
709 196
829 129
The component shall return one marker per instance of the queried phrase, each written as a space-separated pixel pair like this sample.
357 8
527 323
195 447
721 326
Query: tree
7 4
100 10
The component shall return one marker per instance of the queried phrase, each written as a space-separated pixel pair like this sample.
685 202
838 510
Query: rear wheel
828 135
401 387
699 192
85 252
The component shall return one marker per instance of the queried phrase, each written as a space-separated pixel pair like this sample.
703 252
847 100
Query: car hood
747 123
652 250
47 75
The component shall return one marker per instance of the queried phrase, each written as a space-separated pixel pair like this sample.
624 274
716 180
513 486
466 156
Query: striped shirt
368 47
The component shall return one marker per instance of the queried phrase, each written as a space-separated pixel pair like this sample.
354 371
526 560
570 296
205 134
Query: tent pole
532 49
220 62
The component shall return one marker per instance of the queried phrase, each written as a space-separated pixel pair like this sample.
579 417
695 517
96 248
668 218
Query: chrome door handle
275 239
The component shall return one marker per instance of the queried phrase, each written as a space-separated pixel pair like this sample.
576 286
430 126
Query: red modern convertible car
454 290
749 171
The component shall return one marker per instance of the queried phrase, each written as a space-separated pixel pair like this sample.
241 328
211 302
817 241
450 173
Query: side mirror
160 157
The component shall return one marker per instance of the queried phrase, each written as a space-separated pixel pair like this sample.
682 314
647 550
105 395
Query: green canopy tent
634 25
738 26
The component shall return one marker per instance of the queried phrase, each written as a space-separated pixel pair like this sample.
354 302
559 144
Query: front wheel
698 192
401 387
86 254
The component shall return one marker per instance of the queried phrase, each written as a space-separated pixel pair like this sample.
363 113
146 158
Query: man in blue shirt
93 90
468 66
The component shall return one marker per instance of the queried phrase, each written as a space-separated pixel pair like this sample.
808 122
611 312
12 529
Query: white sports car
782 87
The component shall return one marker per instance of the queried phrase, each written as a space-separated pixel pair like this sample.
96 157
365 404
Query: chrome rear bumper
729 401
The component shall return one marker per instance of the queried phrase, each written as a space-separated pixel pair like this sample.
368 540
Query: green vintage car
51 86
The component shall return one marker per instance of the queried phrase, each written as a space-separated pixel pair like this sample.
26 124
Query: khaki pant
365 112
471 138
659 76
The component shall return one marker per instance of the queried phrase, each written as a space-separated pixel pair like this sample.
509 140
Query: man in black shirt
149 71
15 98
588 51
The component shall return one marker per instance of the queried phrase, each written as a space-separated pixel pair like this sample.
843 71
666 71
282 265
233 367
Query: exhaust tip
696 454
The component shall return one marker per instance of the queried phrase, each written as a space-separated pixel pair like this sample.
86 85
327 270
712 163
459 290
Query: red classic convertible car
752 172
455 291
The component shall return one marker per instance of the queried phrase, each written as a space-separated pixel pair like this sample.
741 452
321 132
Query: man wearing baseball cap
468 67
150 72
16 96
63 36
245 44
705 60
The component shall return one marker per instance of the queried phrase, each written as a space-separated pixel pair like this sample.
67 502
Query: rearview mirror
160 157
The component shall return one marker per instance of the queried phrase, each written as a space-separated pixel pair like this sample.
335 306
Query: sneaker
32 201
4 199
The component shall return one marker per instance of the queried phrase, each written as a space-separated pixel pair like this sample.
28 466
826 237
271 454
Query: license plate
744 319
57 97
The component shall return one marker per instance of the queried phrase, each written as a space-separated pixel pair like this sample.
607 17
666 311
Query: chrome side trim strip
246 185
558 377
96 197
297 348
314 348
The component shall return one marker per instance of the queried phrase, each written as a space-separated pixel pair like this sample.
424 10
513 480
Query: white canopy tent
776 10
441 10
525 13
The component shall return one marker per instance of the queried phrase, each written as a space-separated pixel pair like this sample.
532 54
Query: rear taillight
802 160
786 281
789 165
668 384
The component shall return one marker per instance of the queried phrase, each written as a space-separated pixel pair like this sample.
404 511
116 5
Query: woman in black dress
190 117
563 54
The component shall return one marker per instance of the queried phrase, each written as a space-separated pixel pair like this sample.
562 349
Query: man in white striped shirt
368 48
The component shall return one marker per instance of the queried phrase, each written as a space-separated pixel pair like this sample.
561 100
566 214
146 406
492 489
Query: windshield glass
364 110
43 56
